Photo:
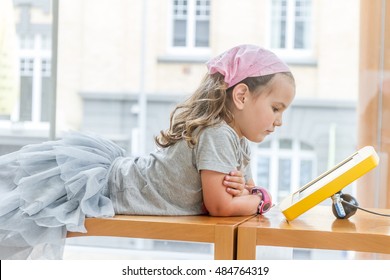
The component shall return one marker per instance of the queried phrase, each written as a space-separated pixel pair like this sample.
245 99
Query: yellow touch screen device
329 183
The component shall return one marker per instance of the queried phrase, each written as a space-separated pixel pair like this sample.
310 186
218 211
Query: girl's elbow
220 212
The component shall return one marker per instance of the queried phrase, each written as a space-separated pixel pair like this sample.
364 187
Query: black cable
368 211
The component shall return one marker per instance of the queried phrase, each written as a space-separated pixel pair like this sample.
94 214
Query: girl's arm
235 184
219 202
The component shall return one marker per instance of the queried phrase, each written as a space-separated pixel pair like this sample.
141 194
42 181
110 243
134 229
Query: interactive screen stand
329 183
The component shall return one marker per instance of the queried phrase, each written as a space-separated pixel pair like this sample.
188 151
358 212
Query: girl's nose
278 122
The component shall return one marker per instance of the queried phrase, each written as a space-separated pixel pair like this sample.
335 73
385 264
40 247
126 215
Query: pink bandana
246 61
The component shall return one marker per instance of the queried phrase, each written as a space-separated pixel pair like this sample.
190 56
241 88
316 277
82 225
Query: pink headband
245 61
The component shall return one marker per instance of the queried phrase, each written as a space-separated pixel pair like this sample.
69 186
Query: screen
310 187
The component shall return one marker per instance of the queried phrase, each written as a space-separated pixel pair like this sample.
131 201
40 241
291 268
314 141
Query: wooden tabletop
222 231
317 228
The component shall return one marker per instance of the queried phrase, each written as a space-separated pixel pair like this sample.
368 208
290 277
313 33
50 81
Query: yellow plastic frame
329 183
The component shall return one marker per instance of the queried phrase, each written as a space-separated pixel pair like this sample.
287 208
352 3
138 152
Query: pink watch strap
266 201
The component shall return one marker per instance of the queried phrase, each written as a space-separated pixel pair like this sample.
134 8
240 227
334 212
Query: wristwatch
266 200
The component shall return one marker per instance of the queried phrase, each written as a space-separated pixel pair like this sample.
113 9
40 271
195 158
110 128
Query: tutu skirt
48 189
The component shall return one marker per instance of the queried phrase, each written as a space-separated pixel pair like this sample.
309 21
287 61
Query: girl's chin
258 139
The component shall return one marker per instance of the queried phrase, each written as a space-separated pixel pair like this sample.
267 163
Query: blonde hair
208 106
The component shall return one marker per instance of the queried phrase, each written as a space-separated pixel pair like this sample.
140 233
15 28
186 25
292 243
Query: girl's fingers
233 192
235 185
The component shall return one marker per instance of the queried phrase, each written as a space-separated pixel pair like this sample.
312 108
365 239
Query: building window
191 23
283 166
290 24
35 78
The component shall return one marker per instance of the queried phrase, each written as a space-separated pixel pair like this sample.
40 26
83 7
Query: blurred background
118 67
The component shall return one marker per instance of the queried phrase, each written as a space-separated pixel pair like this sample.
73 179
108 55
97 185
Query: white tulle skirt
48 189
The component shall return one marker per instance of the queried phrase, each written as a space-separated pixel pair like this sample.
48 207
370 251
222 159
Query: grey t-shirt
167 181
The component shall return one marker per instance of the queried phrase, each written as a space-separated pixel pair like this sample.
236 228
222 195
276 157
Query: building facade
123 61
112 52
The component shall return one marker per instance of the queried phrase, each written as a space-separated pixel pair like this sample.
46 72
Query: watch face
266 201
266 207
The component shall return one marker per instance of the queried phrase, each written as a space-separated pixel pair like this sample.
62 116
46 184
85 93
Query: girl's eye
275 109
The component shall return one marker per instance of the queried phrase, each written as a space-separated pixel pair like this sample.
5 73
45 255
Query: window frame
289 53
189 48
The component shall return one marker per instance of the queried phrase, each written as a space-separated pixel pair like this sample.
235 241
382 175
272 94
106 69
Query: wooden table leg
246 245
225 242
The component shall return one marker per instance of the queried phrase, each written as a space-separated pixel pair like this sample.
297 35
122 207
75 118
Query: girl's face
258 116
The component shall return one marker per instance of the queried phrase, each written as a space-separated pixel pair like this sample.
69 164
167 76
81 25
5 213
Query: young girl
202 164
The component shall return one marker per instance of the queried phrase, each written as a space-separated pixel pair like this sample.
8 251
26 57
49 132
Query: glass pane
45 101
202 9
180 33
265 144
299 35
306 147
306 171
263 171
25 99
202 34
284 177
180 8
285 144
282 34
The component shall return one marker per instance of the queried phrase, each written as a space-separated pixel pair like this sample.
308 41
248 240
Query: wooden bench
316 229
222 231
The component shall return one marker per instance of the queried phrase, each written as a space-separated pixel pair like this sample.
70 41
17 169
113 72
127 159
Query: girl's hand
235 184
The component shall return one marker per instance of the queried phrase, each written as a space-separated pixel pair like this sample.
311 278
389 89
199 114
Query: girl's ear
239 94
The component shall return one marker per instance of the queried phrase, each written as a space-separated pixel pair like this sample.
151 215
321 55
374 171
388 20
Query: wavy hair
209 105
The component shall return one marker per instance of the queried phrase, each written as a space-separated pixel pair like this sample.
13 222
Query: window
32 36
290 25
283 165
35 78
191 24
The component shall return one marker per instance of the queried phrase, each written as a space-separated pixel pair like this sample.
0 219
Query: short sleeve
246 159
219 149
